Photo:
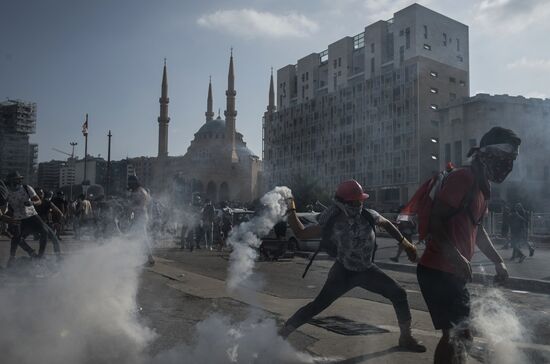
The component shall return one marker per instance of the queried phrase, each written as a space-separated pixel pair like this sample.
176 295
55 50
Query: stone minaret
209 112
230 112
163 117
271 105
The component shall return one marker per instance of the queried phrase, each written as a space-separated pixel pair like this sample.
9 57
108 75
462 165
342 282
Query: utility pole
107 187
72 165
85 133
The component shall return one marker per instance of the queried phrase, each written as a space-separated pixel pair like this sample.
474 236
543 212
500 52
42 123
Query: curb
512 283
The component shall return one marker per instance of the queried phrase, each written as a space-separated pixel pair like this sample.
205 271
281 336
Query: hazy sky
105 58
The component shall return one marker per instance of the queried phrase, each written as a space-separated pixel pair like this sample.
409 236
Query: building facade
49 174
463 123
366 108
17 123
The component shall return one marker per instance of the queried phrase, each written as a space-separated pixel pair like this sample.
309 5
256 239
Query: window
425 32
462 83
452 96
408 38
427 47
460 59
433 74
472 143
433 90
457 45
401 54
335 63
458 153
339 61
452 80
447 152
434 107
401 32
307 76
372 65
372 47
445 39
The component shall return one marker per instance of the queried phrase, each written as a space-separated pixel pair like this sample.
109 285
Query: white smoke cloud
83 313
250 23
496 320
246 238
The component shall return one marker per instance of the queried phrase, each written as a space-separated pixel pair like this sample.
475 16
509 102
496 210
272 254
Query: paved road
185 288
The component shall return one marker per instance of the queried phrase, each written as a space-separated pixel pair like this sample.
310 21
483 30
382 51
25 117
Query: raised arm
302 232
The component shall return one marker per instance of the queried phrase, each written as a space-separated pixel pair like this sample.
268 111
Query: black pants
340 280
33 225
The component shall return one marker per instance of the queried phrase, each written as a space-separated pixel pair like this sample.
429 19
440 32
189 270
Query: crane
62 152
72 144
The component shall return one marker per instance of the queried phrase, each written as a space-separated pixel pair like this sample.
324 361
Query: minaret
230 112
209 113
271 106
163 117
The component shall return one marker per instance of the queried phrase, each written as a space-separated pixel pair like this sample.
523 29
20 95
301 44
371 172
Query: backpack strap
26 188
466 203
325 241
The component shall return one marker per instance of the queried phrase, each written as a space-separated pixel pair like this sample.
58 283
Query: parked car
282 239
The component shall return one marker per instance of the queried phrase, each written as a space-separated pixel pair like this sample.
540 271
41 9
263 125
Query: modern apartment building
367 107
463 123
17 122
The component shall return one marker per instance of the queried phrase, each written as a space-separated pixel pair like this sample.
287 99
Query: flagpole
85 148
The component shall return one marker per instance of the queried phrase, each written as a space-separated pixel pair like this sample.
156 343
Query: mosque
217 164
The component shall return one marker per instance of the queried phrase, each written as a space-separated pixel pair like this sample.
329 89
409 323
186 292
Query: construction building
367 107
463 123
17 122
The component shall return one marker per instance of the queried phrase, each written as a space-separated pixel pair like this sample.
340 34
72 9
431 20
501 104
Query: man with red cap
350 229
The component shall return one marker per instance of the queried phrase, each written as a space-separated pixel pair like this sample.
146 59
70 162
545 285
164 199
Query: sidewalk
366 348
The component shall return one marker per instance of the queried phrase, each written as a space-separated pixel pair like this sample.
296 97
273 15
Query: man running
345 225
458 209
139 203
22 200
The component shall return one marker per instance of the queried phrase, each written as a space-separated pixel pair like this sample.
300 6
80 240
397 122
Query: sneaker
531 251
394 259
408 342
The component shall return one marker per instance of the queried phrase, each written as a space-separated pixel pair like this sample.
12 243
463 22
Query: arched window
224 192
211 191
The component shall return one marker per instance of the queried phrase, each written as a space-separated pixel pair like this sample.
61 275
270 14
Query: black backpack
328 246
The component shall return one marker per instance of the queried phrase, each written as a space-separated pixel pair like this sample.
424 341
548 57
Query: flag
85 127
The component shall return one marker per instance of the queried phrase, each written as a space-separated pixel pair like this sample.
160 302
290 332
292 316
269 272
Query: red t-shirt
460 228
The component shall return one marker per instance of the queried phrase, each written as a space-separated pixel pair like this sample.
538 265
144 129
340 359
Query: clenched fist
410 249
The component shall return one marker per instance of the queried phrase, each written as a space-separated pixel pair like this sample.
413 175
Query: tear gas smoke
496 320
254 340
246 238
218 340
85 312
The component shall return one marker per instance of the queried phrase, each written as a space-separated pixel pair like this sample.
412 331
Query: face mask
353 211
497 168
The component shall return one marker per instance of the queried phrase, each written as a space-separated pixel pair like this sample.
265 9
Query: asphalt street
184 288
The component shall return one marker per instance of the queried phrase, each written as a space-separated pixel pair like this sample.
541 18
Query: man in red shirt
444 269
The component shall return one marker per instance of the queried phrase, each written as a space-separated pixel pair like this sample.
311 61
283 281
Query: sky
105 58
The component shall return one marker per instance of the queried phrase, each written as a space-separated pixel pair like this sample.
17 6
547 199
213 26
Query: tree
307 191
